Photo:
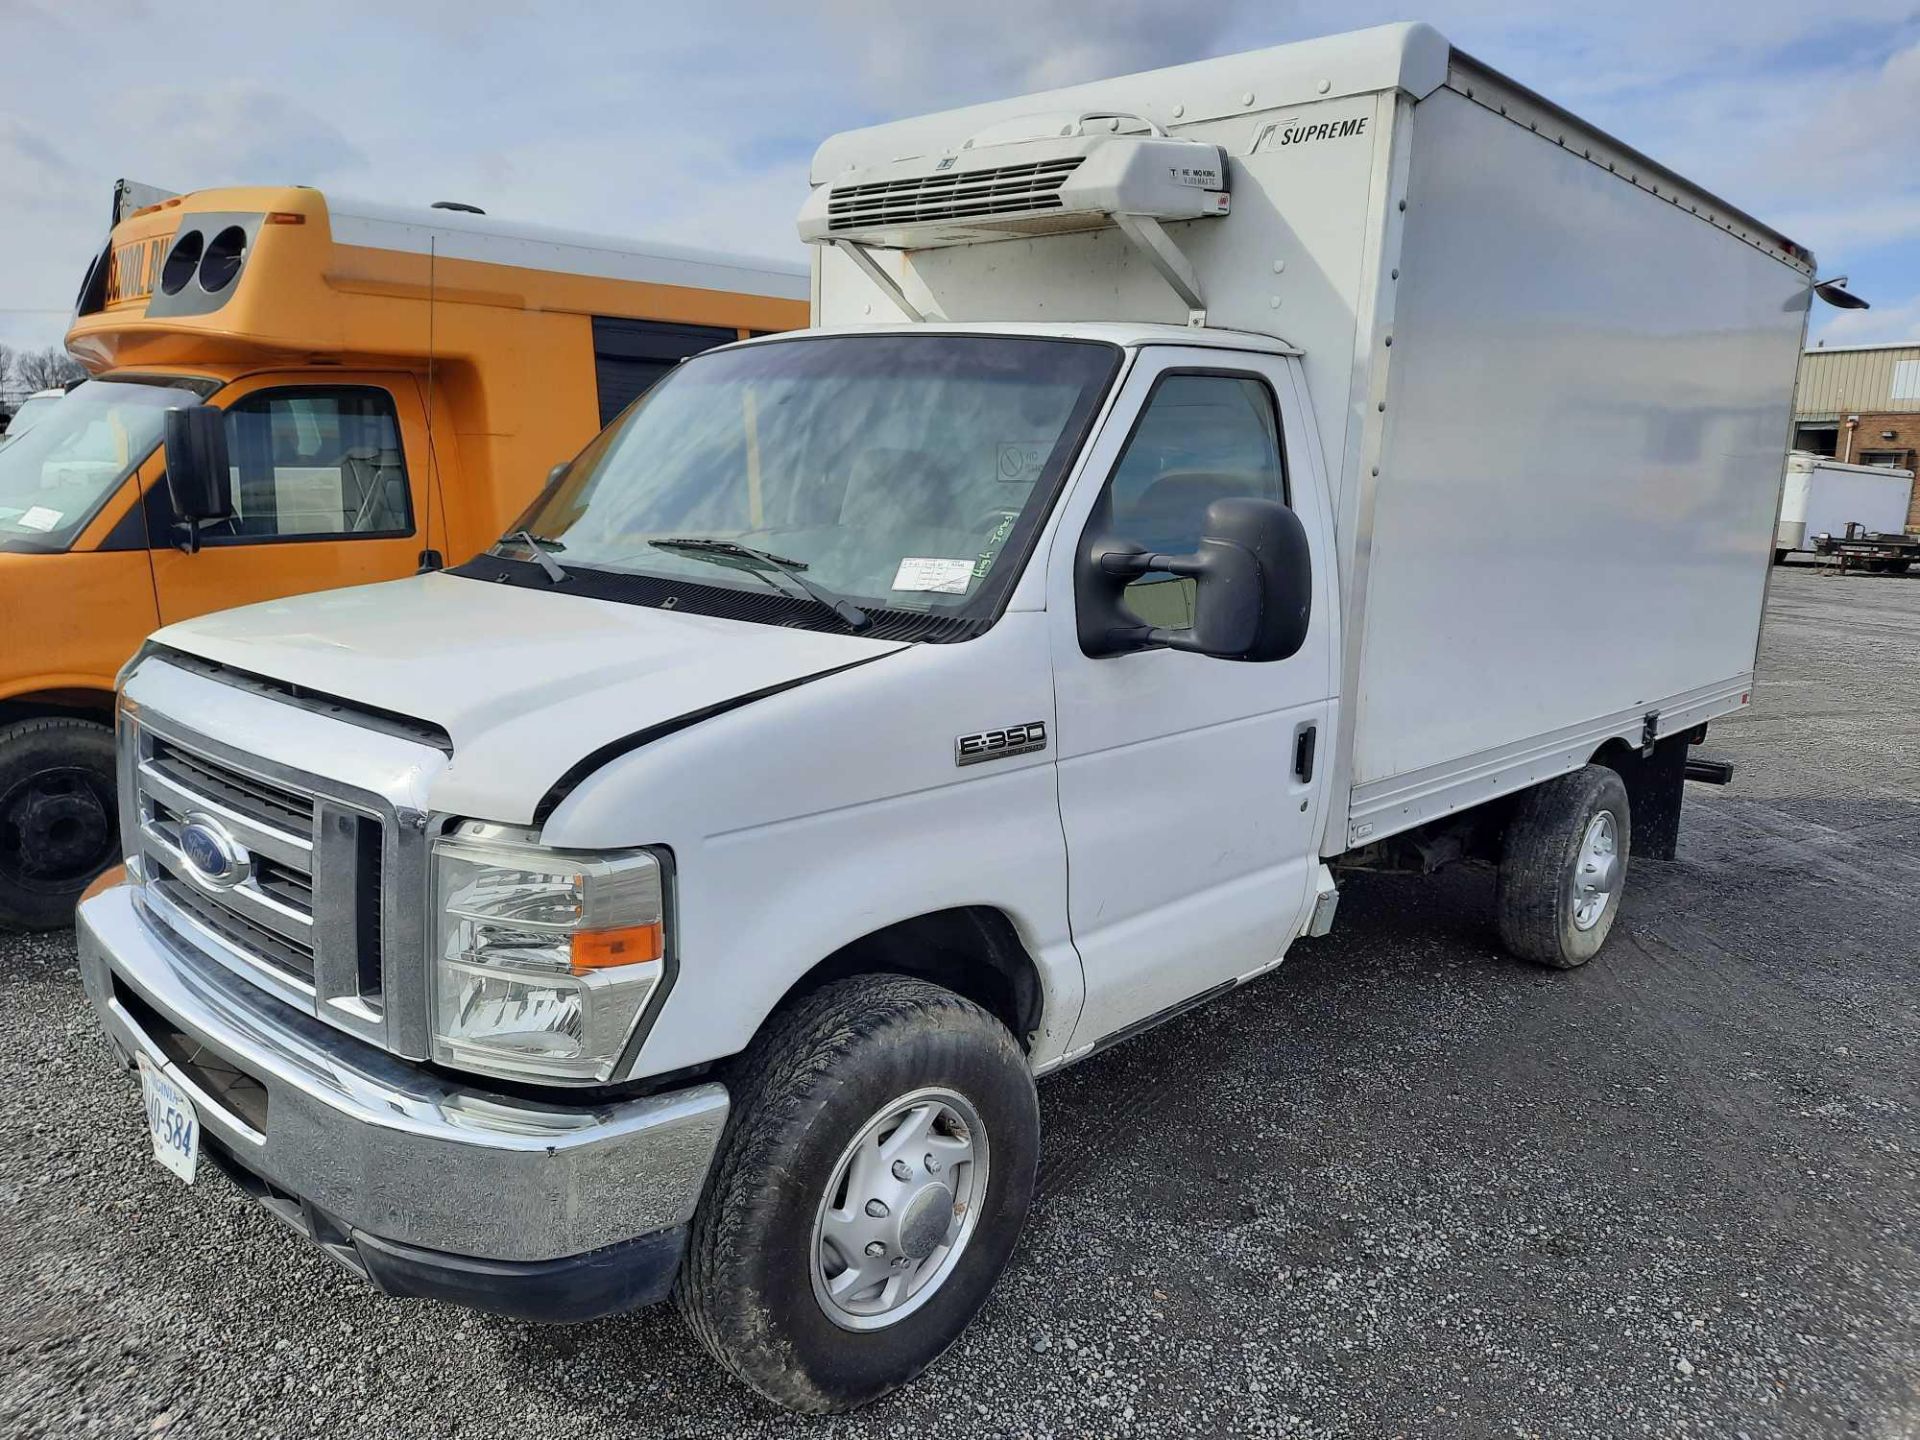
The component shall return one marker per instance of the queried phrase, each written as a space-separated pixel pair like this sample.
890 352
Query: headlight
544 960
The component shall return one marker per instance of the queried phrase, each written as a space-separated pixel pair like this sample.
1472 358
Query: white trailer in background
1822 497
1197 484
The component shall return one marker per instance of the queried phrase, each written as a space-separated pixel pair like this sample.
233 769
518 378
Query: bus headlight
543 960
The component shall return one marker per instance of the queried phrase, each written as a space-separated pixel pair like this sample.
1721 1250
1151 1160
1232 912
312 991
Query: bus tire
59 827
818 1163
1563 867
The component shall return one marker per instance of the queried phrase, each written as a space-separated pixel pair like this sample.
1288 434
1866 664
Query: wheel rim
1596 871
899 1208
56 830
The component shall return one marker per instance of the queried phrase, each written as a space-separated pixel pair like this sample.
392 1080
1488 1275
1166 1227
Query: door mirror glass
1252 587
199 481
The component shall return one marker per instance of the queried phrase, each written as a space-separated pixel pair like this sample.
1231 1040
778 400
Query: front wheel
1563 866
873 1179
58 824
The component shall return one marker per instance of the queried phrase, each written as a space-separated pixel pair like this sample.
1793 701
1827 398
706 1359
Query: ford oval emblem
214 858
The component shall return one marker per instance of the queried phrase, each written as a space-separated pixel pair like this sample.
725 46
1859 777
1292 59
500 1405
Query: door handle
1304 743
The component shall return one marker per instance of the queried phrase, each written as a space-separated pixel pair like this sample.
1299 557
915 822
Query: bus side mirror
1253 587
199 479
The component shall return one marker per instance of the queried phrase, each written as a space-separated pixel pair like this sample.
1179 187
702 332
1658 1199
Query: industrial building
1861 404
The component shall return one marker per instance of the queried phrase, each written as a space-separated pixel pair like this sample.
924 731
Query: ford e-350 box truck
1195 483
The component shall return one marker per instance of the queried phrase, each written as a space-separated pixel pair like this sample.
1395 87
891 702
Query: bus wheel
1563 866
58 824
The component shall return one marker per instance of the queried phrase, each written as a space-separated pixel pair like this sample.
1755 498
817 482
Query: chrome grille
291 956
950 195
174 795
261 800
302 915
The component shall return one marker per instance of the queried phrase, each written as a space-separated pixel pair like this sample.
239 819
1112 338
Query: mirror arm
1134 563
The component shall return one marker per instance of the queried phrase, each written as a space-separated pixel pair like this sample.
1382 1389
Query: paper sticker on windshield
40 518
941 577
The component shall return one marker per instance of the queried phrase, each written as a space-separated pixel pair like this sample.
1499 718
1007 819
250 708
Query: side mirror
1253 587
199 480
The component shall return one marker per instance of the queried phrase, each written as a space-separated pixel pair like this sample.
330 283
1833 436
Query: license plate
171 1123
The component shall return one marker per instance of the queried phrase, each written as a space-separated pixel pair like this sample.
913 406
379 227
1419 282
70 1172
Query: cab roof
1128 334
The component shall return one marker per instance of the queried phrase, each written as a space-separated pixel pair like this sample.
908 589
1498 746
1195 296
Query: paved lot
1403 1187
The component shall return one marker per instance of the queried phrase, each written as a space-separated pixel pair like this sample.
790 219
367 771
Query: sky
694 122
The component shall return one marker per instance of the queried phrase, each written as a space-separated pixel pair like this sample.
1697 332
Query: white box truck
1823 499
1196 484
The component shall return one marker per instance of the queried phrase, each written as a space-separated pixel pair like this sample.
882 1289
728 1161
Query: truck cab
395 386
683 896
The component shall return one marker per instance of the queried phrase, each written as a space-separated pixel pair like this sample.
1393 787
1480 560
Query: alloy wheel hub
1596 871
899 1208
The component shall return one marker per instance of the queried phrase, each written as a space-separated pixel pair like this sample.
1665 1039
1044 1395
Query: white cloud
229 131
926 56
694 124
1884 323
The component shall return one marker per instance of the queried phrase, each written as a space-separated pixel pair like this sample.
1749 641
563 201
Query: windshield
896 471
55 476
32 410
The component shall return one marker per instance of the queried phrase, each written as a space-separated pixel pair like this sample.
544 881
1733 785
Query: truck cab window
1201 438
315 462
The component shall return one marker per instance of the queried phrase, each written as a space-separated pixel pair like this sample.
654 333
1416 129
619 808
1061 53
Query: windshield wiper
761 562
542 555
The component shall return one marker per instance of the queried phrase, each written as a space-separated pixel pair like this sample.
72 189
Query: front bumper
421 1184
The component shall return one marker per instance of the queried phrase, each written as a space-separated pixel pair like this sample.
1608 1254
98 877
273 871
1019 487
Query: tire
59 827
1547 837
805 1094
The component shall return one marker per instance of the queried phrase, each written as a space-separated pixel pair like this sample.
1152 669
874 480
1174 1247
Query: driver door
1191 789
329 483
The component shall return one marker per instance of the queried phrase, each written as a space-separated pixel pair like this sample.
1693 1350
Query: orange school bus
396 384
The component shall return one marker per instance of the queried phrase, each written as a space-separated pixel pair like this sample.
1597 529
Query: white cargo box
1551 381
1822 496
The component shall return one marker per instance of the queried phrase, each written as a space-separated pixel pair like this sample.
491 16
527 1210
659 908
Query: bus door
329 489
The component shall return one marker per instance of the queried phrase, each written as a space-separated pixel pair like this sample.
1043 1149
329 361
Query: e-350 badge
998 744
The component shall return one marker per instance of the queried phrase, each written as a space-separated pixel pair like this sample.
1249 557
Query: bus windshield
55 476
895 470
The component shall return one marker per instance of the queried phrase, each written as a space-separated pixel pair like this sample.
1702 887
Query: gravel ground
1402 1188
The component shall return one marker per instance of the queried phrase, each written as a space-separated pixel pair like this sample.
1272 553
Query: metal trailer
1858 548
1856 513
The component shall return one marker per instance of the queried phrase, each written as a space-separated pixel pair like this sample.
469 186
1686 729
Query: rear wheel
875 1174
1563 866
58 825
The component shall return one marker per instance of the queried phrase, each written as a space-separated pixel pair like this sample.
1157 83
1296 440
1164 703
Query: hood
526 682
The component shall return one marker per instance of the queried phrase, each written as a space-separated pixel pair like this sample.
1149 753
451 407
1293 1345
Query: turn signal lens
604 949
